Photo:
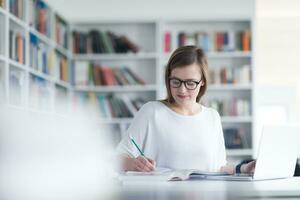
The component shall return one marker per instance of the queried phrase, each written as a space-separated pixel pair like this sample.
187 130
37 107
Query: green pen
137 147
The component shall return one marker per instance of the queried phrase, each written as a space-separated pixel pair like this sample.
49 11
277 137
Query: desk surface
208 189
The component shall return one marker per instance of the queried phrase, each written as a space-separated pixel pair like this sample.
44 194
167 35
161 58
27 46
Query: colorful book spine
40 56
16 7
231 107
87 73
246 41
109 106
96 41
230 75
219 41
17 46
39 16
61 32
167 42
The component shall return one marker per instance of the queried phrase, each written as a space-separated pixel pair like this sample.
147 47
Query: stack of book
87 73
231 107
17 46
16 7
40 56
109 106
233 75
97 41
212 41
40 16
61 32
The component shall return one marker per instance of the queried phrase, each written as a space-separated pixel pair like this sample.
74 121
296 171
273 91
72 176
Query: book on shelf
97 41
88 73
32 12
2 3
230 75
40 56
16 7
61 32
40 17
109 106
166 174
62 69
203 41
17 46
219 41
167 42
231 107
235 138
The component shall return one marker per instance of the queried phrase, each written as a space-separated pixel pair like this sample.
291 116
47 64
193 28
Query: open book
165 174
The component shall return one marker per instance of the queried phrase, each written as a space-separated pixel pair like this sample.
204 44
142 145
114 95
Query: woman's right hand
140 163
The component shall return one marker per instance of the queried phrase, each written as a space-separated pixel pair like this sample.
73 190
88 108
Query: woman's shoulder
151 105
210 111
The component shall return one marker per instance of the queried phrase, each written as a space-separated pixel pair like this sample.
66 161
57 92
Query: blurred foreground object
50 156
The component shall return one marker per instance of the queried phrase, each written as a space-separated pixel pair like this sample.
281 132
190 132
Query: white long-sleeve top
174 140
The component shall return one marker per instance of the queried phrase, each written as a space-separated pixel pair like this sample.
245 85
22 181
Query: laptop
277 154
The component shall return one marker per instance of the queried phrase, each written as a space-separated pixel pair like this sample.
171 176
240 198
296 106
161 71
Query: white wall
89 10
277 44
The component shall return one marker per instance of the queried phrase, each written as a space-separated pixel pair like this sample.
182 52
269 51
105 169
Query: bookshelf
57 61
96 88
34 55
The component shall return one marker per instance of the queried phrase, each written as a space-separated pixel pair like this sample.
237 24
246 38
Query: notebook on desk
165 174
277 155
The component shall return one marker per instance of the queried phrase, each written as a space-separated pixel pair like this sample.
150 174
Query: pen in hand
143 163
135 144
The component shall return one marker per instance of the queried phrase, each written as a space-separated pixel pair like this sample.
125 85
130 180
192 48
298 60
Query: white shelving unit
144 63
148 63
21 82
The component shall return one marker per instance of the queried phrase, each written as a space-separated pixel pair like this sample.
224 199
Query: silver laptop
277 155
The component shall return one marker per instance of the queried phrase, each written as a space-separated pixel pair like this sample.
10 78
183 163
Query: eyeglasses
189 84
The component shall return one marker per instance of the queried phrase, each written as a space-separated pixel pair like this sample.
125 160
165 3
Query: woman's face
185 93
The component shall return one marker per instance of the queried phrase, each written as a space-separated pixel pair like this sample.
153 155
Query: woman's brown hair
182 57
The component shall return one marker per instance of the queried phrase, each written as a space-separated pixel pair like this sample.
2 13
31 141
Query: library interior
92 103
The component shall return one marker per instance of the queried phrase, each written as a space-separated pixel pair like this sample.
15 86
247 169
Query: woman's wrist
126 163
238 168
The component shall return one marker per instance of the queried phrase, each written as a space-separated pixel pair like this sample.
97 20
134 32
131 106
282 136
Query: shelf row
55 42
36 73
124 88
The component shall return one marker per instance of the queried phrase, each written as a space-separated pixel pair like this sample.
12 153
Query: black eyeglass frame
185 83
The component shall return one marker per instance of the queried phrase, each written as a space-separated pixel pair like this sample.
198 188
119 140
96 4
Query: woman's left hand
249 167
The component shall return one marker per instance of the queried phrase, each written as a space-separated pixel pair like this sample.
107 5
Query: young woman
178 132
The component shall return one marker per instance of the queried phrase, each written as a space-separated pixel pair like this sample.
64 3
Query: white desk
207 189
